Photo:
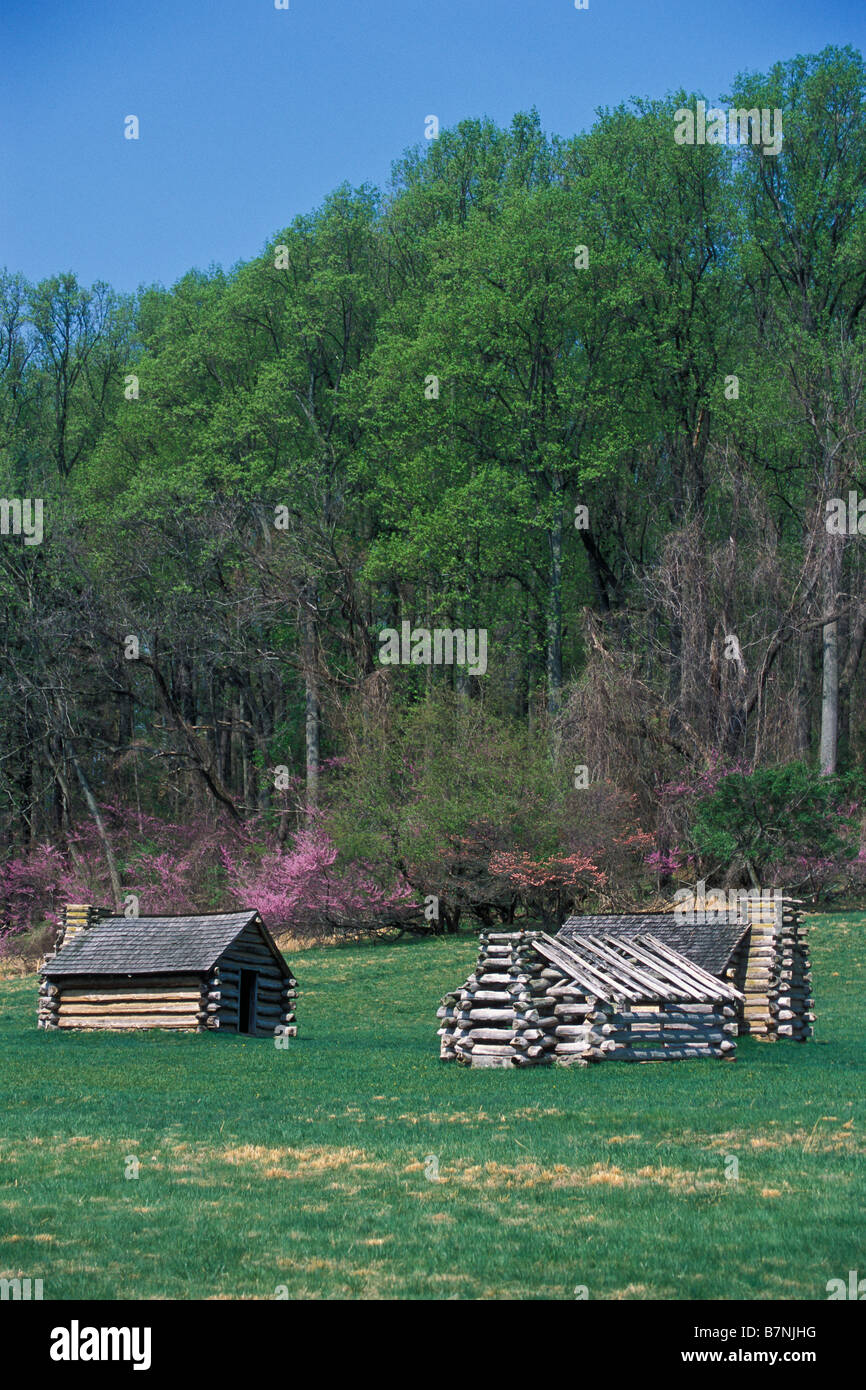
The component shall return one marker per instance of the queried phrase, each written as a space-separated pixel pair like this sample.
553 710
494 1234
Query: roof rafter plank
677 977
622 990
577 969
702 976
659 983
671 966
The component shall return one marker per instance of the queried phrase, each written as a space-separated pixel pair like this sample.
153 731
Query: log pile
502 1016
771 968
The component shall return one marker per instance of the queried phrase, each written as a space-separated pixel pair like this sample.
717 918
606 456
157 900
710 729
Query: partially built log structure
220 971
534 999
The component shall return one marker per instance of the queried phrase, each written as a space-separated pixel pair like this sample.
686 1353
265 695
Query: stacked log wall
502 1016
772 969
75 918
276 991
591 1030
582 1025
158 1001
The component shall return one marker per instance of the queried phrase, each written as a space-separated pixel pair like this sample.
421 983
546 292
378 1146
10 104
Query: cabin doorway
247 1011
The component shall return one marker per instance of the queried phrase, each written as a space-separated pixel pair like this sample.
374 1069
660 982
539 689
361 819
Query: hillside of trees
601 397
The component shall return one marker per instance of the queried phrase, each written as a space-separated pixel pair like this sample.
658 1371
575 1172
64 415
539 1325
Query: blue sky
250 115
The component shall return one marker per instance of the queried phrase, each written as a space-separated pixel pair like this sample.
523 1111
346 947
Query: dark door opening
247 1010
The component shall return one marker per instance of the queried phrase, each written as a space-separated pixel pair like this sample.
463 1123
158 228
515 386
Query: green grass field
308 1168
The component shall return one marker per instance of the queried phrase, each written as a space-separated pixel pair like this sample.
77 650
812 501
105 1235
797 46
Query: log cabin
222 971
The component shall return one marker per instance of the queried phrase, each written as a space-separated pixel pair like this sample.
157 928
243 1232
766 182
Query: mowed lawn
311 1170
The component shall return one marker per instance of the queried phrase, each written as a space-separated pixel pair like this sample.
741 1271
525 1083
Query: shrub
786 821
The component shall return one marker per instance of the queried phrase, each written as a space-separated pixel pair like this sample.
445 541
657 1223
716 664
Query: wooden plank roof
154 945
709 945
637 969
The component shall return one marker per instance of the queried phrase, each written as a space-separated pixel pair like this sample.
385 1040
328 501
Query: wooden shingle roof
639 969
153 945
708 944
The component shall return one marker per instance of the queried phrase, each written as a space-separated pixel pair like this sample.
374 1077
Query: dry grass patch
202 1162
288 1162
503 1176
532 1112
841 1139
54 1143
465 1117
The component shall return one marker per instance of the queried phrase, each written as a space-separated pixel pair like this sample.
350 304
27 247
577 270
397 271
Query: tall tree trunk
311 689
117 891
830 666
805 683
600 572
856 633
554 605
33 796
830 699
249 779
844 721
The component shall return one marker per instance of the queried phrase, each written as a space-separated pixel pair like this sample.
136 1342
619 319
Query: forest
599 398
